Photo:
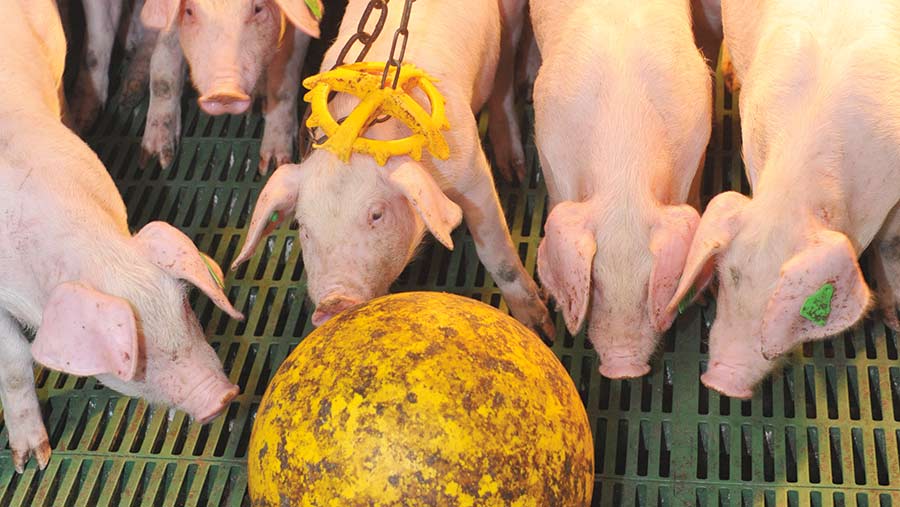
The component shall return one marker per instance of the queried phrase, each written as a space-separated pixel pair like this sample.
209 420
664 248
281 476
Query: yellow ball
421 399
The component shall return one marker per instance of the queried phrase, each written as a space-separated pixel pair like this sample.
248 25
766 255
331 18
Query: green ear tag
274 217
686 301
212 273
313 6
817 307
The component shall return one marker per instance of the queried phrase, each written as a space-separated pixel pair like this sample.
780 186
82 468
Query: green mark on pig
817 307
212 272
274 217
686 301
313 6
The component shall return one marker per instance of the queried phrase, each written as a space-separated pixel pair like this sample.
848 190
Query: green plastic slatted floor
823 432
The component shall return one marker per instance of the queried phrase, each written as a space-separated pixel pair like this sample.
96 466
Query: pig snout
728 379
623 368
209 398
331 306
227 99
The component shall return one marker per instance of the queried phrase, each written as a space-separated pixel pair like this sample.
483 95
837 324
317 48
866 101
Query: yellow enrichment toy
364 81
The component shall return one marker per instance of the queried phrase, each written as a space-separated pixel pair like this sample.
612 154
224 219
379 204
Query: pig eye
375 215
188 11
257 9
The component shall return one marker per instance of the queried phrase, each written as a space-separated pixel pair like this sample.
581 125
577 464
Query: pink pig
360 224
820 132
622 119
102 302
228 45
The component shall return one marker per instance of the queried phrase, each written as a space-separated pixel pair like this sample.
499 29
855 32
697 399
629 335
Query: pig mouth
332 305
208 399
729 380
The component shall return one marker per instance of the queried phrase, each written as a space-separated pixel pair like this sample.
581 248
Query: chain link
367 39
394 60
363 37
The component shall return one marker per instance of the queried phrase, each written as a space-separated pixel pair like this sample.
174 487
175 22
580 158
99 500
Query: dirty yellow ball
421 399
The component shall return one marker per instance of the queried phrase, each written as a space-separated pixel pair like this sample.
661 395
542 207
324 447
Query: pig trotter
277 144
85 106
41 452
507 145
160 140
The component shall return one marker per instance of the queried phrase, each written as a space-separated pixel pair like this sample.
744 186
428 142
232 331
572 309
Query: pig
820 128
623 114
91 85
359 223
100 301
228 45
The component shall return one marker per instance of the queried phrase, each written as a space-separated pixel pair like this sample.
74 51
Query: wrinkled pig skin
100 301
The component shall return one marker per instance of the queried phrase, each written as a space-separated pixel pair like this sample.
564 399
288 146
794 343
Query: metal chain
367 39
393 60
363 37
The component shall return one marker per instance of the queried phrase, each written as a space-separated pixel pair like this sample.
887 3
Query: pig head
359 224
626 275
781 283
228 44
138 334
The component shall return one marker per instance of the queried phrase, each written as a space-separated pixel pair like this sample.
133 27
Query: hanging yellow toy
364 80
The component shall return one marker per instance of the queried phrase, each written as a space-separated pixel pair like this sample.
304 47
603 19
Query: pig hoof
41 452
724 382
84 113
165 154
130 94
624 370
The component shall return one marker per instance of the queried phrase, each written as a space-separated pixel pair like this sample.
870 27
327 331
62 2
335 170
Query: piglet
228 45
360 224
622 119
820 132
101 301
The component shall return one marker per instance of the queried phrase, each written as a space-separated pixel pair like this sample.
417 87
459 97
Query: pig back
456 42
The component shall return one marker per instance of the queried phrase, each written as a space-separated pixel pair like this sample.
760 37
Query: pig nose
228 100
622 369
331 306
727 380
209 399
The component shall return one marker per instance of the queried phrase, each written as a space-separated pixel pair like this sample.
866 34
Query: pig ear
821 292
670 240
718 226
159 14
564 261
86 332
276 202
173 252
304 14
440 214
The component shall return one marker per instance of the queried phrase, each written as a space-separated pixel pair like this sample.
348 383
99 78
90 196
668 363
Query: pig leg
485 220
528 61
707 18
141 42
21 411
503 127
886 257
283 76
93 76
164 114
